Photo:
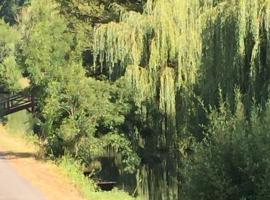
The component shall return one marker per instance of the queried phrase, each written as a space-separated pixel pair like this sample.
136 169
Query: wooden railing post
11 103
33 103
8 105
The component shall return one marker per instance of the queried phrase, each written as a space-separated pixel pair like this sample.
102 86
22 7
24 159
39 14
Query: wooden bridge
17 102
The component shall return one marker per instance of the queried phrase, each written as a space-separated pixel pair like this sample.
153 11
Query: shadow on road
10 155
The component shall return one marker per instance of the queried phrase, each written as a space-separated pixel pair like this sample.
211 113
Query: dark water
160 181
158 178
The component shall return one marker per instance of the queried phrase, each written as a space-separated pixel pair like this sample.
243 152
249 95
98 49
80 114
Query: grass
21 124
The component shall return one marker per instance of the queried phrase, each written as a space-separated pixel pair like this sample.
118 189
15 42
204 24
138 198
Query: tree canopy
174 93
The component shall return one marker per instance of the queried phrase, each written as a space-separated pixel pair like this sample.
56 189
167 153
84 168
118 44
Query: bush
233 162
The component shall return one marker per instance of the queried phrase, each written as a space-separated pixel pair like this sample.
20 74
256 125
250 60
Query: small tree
82 117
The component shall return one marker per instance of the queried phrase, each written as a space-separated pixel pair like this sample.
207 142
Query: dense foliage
9 9
175 90
233 160
78 115
10 73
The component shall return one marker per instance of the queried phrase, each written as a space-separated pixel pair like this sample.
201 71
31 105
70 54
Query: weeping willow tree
159 53
176 45
179 54
235 44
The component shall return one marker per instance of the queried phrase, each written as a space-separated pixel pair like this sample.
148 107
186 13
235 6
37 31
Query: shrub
233 162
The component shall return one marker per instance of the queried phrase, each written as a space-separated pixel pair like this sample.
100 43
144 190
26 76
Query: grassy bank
87 186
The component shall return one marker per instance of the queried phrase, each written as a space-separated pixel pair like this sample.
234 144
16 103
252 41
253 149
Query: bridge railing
16 102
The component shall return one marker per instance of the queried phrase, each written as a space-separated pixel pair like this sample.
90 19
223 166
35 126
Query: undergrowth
87 186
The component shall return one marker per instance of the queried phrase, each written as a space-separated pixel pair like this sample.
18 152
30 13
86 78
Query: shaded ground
45 176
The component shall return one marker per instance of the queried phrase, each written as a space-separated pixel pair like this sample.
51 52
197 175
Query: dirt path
44 176
15 187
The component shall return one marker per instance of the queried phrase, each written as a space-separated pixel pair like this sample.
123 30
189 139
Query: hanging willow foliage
177 44
138 76
159 50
